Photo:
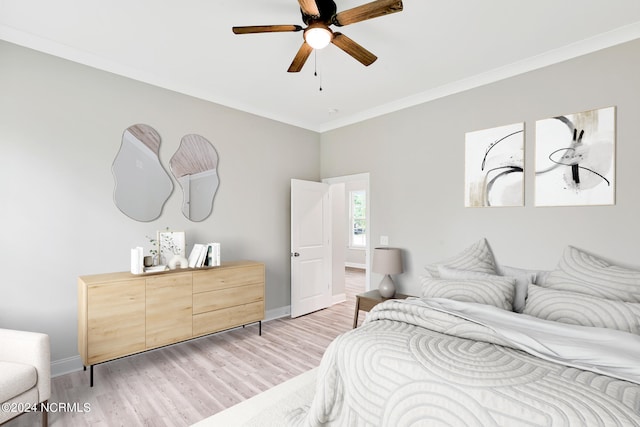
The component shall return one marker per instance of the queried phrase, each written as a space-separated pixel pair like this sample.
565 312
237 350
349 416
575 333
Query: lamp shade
387 261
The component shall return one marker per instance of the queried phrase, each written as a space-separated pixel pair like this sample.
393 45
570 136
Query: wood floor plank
185 383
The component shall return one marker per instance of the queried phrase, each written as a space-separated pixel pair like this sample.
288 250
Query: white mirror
195 166
142 185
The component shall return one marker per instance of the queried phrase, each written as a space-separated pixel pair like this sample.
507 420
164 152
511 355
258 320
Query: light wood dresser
120 314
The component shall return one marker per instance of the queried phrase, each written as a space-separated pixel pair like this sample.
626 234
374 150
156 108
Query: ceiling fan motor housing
327 9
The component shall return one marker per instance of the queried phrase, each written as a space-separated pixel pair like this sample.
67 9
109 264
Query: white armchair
25 372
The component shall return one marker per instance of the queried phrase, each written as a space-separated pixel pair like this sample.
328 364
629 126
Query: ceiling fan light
318 37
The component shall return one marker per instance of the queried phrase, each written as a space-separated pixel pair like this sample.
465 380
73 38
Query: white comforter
440 362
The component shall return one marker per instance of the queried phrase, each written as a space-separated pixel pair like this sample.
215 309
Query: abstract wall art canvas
575 159
494 166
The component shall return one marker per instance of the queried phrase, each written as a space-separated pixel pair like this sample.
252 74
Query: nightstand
368 300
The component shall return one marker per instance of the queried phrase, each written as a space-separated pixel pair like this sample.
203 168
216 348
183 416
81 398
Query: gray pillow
477 257
587 274
522 279
581 309
497 291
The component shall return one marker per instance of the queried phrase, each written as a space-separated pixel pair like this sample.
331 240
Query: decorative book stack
205 255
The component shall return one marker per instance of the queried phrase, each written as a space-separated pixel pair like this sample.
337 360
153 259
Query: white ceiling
431 49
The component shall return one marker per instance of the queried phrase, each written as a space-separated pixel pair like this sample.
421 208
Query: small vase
178 260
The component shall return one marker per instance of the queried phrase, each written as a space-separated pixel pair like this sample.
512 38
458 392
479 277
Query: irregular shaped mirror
195 166
142 185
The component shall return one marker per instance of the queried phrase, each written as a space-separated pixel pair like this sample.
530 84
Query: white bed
462 359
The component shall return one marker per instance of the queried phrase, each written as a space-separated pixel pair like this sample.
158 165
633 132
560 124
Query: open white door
310 247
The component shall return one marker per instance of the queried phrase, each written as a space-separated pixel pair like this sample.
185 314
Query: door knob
295 254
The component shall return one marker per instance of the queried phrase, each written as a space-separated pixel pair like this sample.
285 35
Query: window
357 219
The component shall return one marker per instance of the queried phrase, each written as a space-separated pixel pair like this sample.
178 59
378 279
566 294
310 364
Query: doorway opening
350 232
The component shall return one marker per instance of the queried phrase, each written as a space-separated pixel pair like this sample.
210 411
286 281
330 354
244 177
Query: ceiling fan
318 15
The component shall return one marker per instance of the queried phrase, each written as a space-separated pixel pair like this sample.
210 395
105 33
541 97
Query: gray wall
61 124
416 161
60 128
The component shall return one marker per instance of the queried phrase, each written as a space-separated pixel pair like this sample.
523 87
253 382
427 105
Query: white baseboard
277 313
355 265
66 366
337 299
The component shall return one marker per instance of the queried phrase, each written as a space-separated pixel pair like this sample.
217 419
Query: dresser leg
91 376
260 327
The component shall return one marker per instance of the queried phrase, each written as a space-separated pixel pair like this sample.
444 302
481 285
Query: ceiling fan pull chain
315 63
315 68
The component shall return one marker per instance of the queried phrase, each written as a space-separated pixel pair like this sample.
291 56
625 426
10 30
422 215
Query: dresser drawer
230 297
222 278
226 318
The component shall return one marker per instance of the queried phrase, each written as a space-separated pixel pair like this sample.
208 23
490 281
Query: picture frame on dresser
171 243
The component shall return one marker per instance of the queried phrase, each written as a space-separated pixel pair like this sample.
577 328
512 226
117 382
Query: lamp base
387 288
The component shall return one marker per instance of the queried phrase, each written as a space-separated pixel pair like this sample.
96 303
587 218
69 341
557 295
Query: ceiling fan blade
252 29
361 54
366 11
301 57
309 7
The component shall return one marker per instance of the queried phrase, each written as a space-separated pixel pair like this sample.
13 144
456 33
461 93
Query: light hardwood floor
185 383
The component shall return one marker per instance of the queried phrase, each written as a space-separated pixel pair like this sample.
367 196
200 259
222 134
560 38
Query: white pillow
587 274
497 291
477 257
580 309
521 282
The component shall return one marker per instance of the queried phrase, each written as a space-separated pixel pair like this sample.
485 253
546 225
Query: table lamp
387 261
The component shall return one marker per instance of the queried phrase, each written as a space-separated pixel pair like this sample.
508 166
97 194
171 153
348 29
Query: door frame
343 180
